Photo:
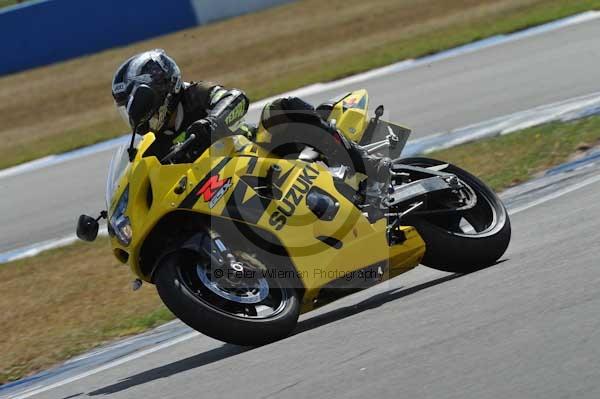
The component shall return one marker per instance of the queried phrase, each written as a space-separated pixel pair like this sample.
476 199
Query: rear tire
182 300
451 250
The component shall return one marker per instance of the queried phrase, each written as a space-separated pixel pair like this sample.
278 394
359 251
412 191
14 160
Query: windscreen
116 170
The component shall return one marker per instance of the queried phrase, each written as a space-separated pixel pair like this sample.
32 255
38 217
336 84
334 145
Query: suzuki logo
214 189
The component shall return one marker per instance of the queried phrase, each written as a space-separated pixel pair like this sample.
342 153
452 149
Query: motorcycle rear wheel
180 286
467 241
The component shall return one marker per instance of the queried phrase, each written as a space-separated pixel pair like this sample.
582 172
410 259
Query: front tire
214 316
449 247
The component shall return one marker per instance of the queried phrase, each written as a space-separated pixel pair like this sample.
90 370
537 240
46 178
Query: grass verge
64 302
506 161
6 3
68 105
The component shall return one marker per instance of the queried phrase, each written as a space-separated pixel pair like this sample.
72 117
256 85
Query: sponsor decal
237 113
119 87
354 102
351 102
293 197
192 198
214 189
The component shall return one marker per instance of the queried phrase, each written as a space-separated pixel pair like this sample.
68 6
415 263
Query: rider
211 112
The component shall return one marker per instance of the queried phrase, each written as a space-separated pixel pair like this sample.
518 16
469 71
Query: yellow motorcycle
240 242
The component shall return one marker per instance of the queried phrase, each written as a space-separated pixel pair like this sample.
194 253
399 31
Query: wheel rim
262 298
479 220
255 291
483 219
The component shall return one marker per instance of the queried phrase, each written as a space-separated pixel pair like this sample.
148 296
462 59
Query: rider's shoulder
201 87
197 93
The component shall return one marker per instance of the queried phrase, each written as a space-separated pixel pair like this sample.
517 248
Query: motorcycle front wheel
463 241
263 311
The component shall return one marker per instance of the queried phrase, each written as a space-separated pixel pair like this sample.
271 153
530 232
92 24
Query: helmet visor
140 107
122 110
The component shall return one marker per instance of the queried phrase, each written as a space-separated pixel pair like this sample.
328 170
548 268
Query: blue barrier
213 10
43 32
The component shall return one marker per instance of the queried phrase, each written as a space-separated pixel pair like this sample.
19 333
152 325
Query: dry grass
68 105
66 301
6 3
506 161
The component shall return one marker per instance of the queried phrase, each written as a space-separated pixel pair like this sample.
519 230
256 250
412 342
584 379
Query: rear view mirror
141 105
87 228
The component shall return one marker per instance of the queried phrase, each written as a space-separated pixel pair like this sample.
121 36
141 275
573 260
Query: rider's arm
223 107
226 110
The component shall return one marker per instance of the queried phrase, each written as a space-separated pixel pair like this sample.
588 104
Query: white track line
556 194
137 355
441 56
36 249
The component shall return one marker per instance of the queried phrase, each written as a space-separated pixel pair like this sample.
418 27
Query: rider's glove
203 129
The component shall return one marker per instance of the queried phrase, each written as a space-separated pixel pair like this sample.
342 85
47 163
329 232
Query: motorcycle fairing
283 213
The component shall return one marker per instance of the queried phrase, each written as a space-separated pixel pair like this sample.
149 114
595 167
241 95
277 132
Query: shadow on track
168 370
368 304
228 350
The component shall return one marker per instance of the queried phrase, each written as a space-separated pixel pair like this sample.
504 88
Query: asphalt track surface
527 327
43 204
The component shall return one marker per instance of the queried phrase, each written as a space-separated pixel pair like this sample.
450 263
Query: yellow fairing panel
351 115
217 184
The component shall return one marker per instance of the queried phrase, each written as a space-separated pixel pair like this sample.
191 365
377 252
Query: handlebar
179 148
